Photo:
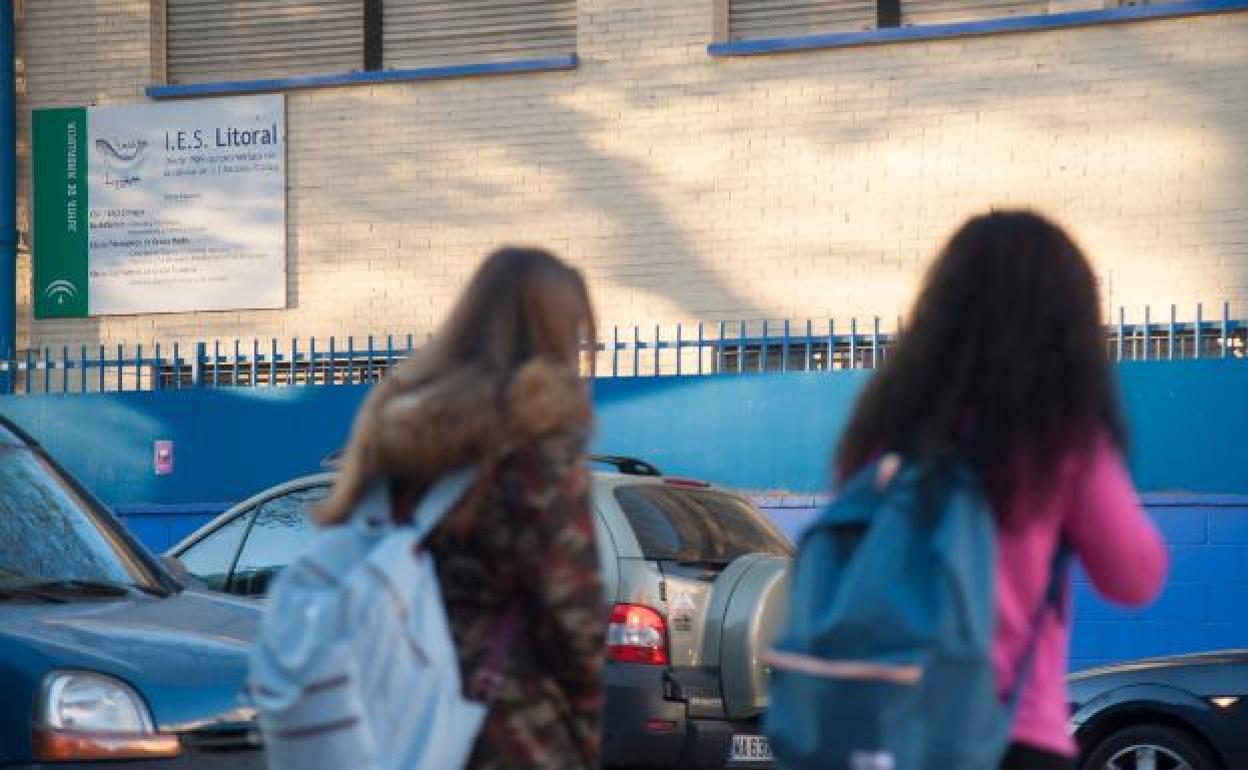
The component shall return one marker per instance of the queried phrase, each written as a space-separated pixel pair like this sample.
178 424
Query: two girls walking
1002 370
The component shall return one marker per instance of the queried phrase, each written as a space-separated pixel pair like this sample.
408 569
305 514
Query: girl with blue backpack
930 613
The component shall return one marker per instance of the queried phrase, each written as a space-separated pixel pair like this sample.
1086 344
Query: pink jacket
1093 505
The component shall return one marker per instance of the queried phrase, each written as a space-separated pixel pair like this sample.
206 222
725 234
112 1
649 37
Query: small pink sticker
162 457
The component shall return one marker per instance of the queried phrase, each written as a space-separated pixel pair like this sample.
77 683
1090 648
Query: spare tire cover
751 622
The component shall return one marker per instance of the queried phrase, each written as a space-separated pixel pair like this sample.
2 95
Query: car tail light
660 726
637 634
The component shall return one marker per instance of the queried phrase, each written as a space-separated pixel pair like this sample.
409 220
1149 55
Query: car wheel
1151 747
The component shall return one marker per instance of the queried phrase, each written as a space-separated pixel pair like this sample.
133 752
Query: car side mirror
180 573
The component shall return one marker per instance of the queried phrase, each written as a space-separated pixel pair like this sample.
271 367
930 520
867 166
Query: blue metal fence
723 347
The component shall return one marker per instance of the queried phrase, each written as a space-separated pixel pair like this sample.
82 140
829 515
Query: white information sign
184 206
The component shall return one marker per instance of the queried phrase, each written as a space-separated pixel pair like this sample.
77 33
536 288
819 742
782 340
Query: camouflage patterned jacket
533 542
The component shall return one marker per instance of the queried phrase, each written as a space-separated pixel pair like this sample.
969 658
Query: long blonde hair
503 369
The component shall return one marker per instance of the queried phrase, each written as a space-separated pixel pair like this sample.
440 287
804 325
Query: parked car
1188 712
105 658
696 576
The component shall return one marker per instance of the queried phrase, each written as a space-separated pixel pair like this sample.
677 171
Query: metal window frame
372 71
723 47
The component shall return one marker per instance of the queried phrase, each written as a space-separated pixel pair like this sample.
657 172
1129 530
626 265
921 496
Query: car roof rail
629 466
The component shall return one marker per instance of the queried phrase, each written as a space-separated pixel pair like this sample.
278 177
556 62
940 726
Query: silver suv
696 577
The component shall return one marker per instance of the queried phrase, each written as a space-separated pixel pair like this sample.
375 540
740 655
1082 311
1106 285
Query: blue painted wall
766 432
771 433
1205 602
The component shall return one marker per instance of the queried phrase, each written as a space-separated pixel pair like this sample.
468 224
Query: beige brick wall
690 188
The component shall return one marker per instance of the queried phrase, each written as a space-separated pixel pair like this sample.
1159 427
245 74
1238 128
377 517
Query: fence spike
784 348
808 344
1174 311
657 344
831 342
741 350
853 342
875 343
679 349
1122 321
636 351
762 353
700 343
1226 322
719 348
615 350
1200 322
1148 331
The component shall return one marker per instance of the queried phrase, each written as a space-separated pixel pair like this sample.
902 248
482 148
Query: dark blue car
106 661
1187 712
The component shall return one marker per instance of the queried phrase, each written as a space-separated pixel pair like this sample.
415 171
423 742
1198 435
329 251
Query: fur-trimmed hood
459 419
413 433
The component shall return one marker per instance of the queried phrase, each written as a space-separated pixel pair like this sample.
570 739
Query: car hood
1162 666
186 653
1202 675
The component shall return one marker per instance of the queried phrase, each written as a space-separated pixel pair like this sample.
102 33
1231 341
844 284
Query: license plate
751 748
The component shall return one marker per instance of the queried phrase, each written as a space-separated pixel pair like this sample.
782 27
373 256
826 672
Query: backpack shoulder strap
441 499
1055 600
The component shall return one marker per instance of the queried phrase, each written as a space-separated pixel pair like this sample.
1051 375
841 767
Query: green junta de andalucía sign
60 192
157 208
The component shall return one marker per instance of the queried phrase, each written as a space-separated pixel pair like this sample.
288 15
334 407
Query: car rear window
681 524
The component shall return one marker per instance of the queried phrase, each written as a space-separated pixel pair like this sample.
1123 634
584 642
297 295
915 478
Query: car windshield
696 525
51 535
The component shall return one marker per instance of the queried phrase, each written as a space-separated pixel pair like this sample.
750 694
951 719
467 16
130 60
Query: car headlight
83 716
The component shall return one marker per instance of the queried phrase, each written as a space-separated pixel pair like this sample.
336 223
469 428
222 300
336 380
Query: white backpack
355 666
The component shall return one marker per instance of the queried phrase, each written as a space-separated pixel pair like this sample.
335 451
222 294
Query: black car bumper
643 728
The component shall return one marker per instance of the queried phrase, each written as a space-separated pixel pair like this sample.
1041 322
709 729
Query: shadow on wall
701 169
801 185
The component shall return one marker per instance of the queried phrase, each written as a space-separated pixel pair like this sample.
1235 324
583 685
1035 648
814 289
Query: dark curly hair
1003 365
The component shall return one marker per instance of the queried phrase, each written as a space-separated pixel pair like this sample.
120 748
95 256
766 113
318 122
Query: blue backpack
885 660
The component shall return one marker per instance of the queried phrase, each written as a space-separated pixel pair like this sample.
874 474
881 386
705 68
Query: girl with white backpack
474 450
